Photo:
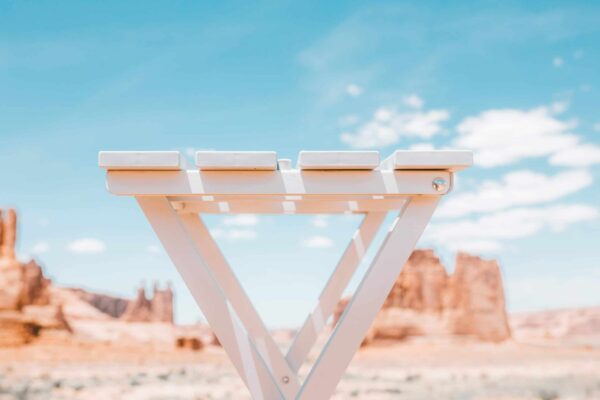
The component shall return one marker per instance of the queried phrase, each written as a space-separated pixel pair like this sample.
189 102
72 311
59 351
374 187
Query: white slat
139 160
236 160
338 160
451 160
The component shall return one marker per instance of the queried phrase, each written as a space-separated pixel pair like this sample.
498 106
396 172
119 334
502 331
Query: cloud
581 155
518 188
237 227
489 232
40 248
86 246
233 234
504 136
559 107
389 125
597 127
241 220
558 62
317 242
413 101
422 147
320 221
354 90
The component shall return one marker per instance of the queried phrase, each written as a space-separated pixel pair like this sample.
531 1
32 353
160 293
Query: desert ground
415 369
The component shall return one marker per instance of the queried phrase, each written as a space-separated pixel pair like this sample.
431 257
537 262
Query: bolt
285 379
439 184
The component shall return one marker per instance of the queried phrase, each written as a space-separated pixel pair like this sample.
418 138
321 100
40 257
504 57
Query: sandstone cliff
26 307
426 301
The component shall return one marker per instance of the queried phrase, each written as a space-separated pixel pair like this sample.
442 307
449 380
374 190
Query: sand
412 370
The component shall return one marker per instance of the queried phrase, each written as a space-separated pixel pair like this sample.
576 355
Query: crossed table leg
243 335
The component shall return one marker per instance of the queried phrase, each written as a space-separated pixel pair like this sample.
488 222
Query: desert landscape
439 335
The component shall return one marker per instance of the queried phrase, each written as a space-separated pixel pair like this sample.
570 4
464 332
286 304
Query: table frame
174 201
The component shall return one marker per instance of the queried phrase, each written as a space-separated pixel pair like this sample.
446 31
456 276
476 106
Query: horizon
515 83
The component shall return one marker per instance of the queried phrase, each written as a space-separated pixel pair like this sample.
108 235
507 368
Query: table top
403 160
258 182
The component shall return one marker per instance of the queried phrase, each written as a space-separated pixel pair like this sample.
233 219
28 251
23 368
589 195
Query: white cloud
488 232
86 246
241 220
581 155
320 221
558 62
388 125
476 246
503 136
317 242
237 227
40 248
422 147
233 234
518 188
413 101
153 249
559 107
354 90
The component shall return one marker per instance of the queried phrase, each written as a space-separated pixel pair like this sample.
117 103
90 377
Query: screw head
285 379
439 184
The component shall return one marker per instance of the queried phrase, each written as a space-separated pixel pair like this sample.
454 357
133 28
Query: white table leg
334 289
209 296
368 299
234 292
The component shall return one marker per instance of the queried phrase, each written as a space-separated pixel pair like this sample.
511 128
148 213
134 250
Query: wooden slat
451 160
139 160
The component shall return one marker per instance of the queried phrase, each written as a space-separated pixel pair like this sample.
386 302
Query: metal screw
439 184
285 379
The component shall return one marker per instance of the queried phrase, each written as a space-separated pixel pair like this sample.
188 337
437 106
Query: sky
516 82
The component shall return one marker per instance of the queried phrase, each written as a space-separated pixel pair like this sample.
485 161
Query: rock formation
112 306
8 234
426 301
476 299
25 302
162 304
157 309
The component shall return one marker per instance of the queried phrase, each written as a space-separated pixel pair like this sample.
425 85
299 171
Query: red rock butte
26 306
427 301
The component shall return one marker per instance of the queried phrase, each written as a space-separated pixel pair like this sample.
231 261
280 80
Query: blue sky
517 83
